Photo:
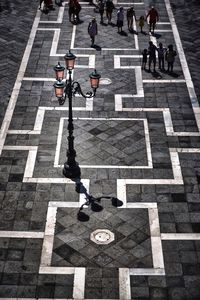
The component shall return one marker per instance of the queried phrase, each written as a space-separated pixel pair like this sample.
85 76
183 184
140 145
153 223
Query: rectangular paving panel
97 139
107 37
74 246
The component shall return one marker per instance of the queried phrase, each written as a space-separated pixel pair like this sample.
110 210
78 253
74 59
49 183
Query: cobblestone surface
137 144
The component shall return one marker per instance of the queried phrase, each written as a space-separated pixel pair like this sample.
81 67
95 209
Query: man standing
153 18
152 56
120 19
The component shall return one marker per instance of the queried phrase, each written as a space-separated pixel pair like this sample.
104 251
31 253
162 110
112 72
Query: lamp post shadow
92 201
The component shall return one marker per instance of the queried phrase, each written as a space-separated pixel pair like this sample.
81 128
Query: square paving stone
73 247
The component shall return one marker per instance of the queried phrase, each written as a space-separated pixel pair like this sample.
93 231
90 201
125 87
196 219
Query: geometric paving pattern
97 140
137 140
130 248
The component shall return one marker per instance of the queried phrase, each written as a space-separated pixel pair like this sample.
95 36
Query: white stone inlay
180 236
105 81
13 99
124 284
79 283
183 61
22 234
102 236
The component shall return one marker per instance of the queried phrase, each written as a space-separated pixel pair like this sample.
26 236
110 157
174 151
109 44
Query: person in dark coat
77 9
130 14
153 18
101 6
109 10
152 56
170 58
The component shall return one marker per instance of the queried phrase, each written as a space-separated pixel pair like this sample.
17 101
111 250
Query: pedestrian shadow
77 22
98 48
123 33
144 32
103 24
133 31
93 202
156 75
157 35
172 74
112 24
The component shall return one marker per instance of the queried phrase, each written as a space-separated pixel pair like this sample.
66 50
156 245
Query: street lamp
70 88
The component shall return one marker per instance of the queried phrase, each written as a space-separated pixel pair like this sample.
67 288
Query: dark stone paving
23 206
16 19
130 248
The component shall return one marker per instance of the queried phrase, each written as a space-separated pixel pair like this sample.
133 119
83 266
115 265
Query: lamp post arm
77 90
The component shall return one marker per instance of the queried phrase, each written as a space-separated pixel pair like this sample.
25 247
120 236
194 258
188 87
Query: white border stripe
124 284
180 236
79 283
17 86
183 61
22 234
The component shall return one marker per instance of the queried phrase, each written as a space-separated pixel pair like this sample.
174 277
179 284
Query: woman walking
101 6
109 10
92 30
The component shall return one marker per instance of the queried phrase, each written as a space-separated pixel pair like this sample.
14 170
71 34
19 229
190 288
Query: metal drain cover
105 81
102 236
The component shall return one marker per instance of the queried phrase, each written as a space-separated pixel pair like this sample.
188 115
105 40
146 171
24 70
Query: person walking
48 5
109 10
141 23
92 30
153 18
170 58
71 10
77 9
101 6
152 56
120 19
130 14
161 56
144 59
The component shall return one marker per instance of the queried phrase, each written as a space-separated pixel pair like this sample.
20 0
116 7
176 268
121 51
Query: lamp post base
72 171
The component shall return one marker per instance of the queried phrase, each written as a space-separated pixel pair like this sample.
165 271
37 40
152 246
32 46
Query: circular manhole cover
102 236
105 81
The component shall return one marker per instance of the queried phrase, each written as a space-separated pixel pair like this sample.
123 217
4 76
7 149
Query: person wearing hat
92 30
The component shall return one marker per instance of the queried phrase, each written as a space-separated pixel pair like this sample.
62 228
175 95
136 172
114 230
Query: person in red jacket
153 18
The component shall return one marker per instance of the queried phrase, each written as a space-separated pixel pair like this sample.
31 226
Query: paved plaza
137 144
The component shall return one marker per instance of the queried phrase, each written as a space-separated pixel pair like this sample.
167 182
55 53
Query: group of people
108 7
164 54
74 9
130 14
48 5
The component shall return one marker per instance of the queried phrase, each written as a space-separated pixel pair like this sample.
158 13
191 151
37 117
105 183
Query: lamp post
70 88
